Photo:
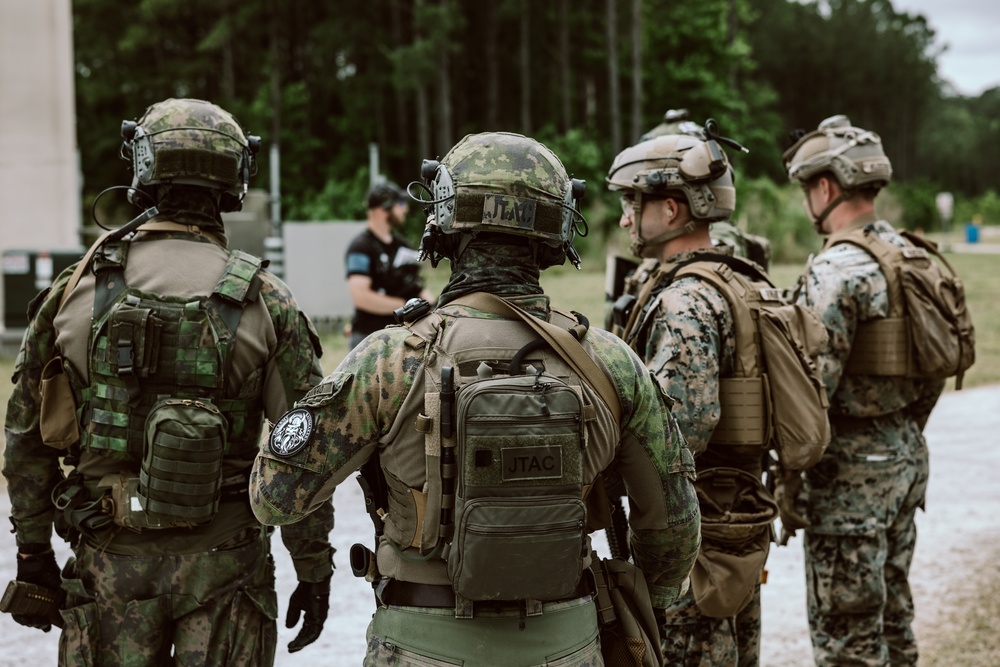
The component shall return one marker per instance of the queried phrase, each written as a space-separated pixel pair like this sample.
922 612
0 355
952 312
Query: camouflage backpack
928 332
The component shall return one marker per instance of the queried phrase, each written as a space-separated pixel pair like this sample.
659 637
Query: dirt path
957 533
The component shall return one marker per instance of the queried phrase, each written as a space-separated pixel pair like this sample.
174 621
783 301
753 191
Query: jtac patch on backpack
928 332
518 496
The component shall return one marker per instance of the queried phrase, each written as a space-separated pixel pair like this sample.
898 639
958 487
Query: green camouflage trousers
215 608
564 635
691 639
862 502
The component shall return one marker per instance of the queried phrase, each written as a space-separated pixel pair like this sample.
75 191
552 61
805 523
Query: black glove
36 564
313 599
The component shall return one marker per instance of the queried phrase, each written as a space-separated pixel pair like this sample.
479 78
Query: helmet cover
853 156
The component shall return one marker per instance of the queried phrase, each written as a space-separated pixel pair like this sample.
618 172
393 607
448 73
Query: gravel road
957 534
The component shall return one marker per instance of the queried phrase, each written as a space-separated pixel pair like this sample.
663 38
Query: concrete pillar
39 166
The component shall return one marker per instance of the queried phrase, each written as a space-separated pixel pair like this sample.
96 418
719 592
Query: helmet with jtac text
501 183
191 142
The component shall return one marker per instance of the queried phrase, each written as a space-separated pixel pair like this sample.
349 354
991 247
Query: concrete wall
39 169
314 266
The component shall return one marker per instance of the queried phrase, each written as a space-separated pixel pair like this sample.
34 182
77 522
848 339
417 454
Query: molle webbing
148 345
882 346
542 218
744 398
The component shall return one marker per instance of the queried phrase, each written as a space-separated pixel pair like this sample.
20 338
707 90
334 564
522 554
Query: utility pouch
25 599
519 514
630 635
737 512
181 473
57 421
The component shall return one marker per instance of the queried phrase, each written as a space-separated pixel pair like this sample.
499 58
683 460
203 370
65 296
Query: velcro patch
531 463
291 434
509 211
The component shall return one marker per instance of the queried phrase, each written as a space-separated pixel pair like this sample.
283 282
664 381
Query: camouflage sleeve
658 471
683 353
292 370
842 285
294 366
31 468
340 424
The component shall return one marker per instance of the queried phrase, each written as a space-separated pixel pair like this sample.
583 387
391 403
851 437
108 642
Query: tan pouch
737 512
57 422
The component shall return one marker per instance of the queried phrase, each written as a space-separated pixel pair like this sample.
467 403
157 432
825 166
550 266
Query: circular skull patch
290 435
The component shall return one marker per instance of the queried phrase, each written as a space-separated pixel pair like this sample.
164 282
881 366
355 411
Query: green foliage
917 201
986 206
776 213
324 80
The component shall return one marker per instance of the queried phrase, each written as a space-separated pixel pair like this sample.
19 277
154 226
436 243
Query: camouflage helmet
679 165
854 156
191 142
676 121
504 183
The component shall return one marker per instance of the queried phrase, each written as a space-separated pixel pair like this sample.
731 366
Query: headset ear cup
230 203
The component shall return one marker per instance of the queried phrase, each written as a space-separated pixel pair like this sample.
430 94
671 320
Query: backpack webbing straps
561 340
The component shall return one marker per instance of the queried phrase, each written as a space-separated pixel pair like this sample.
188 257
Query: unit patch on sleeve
290 435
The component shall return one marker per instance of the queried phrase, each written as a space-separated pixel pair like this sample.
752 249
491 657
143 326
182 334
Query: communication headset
137 148
440 239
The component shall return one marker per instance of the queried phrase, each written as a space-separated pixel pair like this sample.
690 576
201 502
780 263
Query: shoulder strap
561 340
74 279
885 253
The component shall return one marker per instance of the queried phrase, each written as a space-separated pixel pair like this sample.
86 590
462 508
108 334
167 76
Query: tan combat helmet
852 155
676 121
682 166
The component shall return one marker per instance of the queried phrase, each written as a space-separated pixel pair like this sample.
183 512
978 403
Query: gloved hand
787 488
313 599
36 564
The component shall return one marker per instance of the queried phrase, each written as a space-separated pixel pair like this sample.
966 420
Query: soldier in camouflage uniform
683 329
371 403
174 349
862 496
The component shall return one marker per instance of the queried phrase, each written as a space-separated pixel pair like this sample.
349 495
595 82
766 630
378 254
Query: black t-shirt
394 269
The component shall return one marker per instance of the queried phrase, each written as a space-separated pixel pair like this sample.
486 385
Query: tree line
323 80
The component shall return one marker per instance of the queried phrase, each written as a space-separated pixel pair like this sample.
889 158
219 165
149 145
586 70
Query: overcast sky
969 28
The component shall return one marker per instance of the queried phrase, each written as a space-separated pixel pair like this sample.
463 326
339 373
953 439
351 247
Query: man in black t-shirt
382 269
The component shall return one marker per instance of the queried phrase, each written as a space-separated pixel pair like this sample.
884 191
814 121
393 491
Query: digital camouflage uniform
688 345
203 594
863 494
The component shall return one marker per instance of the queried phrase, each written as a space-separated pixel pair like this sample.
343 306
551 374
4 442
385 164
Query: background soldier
383 271
673 187
172 350
505 210
864 493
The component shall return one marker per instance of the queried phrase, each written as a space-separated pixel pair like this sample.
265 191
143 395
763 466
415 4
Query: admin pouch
928 332
776 396
737 513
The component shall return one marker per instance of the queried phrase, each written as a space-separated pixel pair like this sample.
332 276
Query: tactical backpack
928 332
775 398
510 441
